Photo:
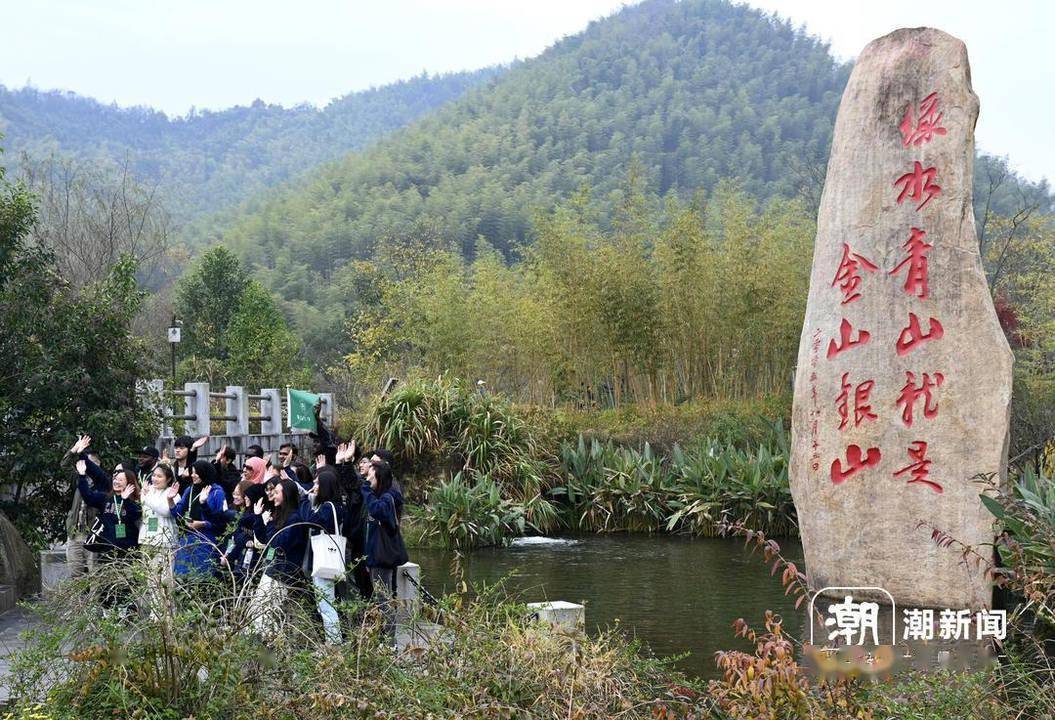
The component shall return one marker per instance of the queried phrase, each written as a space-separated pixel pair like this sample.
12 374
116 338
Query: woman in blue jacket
200 512
322 508
354 520
286 537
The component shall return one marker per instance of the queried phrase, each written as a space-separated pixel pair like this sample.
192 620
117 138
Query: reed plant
608 487
444 426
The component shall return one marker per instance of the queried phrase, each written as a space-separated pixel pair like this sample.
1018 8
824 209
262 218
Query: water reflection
677 594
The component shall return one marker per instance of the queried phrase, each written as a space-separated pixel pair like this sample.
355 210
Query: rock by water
903 383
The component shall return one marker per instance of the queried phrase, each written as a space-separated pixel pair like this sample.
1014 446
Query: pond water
678 594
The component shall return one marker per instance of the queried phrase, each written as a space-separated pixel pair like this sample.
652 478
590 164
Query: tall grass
608 487
200 658
444 426
466 514
486 475
488 478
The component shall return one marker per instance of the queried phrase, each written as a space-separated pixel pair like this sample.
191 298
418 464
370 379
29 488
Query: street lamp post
174 338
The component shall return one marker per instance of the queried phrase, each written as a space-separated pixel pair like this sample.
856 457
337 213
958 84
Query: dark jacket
325 440
113 511
354 508
291 473
382 513
355 528
227 478
241 558
284 555
322 517
81 517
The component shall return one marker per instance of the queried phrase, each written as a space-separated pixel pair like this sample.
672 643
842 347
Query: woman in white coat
158 532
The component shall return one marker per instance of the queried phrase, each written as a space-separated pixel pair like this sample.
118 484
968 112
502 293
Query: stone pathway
13 623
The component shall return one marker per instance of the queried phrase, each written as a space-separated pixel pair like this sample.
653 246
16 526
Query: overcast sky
218 53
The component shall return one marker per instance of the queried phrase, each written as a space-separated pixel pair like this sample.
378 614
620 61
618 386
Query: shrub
467 511
196 659
714 481
496 471
608 488
743 423
442 426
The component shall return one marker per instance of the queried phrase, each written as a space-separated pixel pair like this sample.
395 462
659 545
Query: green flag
300 407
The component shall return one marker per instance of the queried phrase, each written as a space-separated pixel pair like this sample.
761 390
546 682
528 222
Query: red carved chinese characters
916 278
913 335
845 341
917 183
920 467
910 394
916 132
919 125
862 410
855 462
848 276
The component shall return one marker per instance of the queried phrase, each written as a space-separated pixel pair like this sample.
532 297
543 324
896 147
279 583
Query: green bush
744 423
443 426
608 487
499 476
469 511
939 695
611 488
712 481
494 472
1026 513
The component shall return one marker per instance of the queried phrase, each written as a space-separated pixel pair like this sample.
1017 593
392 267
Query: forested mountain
669 136
209 160
688 92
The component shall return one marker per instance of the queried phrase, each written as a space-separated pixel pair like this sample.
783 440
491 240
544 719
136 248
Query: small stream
679 595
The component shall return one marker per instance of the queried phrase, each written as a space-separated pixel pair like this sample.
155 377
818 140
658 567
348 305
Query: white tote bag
327 552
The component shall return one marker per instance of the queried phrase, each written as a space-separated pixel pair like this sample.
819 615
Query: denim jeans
265 607
324 596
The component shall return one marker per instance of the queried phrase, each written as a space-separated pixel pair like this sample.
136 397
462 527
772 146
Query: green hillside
210 160
692 92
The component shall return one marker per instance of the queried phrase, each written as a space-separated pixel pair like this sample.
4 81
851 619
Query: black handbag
390 551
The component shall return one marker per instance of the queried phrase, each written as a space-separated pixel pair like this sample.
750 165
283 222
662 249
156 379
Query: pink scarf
256 469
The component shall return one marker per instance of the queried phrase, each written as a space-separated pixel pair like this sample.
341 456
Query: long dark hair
329 487
383 473
270 483
204 470
303 474
290 498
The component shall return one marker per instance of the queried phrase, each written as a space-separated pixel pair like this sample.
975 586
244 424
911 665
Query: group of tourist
279 526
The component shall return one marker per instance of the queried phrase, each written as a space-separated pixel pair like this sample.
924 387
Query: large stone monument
903 385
